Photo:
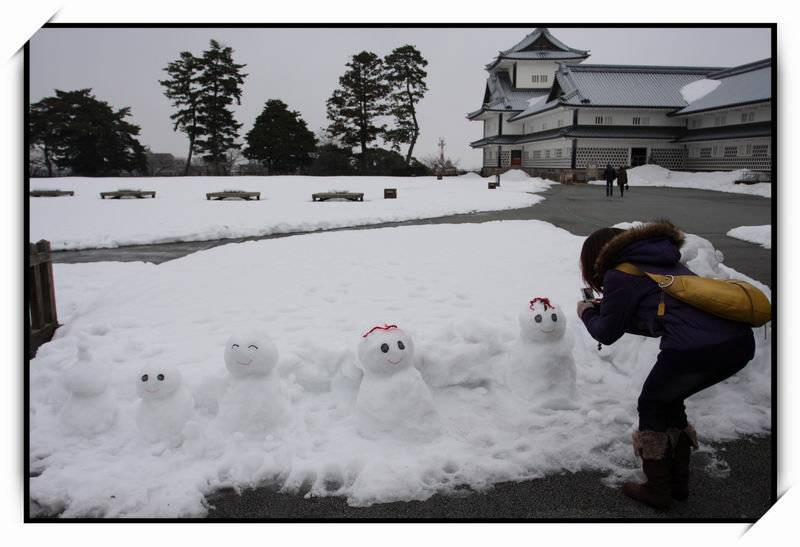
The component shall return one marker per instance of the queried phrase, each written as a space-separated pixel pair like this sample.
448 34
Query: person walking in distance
622 180
698 350
610 175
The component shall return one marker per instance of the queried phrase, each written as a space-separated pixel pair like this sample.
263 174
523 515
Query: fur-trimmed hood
656 243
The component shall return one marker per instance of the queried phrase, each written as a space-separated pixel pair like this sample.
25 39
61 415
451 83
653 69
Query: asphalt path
579 209
737 485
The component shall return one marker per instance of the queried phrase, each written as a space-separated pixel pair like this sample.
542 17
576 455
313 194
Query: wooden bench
50 193
493 185
139 194
233 195
323 196
390 193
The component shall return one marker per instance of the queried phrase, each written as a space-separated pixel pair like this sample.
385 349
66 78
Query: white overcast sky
301 66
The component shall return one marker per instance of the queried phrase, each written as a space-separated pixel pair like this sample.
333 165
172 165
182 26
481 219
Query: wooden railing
42 316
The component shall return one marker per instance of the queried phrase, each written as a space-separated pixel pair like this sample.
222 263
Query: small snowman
393 400
542 368
166 404
90 410
255 402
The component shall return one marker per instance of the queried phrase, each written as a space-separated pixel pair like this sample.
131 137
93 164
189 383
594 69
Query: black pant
609 188
621 190
680 374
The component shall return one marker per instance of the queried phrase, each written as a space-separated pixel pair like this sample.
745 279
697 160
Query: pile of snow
760 235
698 89
720 181
180 211
457 290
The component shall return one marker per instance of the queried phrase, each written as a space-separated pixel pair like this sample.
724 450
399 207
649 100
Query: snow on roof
626 85
740 85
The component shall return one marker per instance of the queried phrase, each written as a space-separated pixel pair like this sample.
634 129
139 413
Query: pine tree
92 139
220 84
183 90
405 72
45 119
354 108
280 139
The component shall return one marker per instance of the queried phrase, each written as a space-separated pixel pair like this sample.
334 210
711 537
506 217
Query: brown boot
652 447
682 442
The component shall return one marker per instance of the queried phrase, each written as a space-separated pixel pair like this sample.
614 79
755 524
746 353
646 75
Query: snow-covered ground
719 181
456 289
760 235
180 211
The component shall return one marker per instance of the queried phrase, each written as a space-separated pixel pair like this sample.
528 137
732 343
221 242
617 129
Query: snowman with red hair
393 400
542 367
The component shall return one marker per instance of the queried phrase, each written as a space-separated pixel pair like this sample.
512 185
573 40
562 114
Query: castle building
546 112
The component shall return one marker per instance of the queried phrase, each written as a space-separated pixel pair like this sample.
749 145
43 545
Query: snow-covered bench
139 194
233 194
323 196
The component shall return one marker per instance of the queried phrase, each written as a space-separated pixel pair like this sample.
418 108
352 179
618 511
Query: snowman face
157 381
386 351
85 378
250 353
538 324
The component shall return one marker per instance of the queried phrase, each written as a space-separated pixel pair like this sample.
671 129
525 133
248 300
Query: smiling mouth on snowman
395 362
156 390
547 331
245 364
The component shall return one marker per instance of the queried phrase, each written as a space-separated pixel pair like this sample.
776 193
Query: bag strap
628 268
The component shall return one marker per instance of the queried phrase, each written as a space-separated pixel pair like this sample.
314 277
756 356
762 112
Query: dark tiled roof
746 84
626 85
495 139
590 132
527 50
739 131
503 97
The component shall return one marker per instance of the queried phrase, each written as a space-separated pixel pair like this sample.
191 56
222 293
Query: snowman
255 403
90 410
166 405
393 400
542 368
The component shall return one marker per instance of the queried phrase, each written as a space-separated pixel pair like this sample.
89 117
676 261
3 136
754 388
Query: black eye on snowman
400 344
554 317
235 346
252 346
144 378
385 348
538 318
160 377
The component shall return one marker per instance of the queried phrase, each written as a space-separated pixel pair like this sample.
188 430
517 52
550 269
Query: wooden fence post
43 317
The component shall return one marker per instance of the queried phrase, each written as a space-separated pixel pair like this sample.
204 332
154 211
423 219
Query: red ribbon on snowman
545 301
385 327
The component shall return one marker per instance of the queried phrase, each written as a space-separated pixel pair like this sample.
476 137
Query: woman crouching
698 349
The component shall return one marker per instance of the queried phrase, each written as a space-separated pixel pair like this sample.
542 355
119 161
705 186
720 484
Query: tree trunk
189 158
415 135
47 161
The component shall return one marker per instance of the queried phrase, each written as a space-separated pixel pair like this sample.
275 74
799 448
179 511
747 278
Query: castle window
537 154
547 153
748 116
598 120
720 120
731 151
544 78
608 119
559 151
637 120
560 123
705 152
535 79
